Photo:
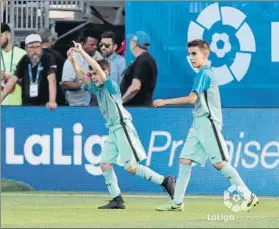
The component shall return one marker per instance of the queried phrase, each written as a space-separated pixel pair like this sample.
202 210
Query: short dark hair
46 35
202 44
109 34
104 64
5 28
83 36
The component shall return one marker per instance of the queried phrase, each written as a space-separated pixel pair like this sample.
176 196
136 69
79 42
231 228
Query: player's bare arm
190 99
93 63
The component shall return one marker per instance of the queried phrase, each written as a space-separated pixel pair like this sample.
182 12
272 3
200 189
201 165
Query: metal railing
68 5
26 17
35 14
30 15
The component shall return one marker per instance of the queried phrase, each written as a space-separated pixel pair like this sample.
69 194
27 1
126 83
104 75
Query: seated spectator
117 63
36 71
76 94
47 39
140 77
10 56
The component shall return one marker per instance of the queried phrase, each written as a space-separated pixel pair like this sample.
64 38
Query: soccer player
205 139
123 139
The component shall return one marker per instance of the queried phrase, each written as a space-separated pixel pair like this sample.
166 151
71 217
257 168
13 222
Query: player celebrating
123 139
204 139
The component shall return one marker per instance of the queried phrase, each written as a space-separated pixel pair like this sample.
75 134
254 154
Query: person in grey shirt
117 62
76 94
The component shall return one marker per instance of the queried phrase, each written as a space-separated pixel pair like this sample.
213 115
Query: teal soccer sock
112 183
232 175
182 183
149 174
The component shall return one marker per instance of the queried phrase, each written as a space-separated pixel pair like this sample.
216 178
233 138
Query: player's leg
132 152
216 147
192 151
108 158
148 174
234 178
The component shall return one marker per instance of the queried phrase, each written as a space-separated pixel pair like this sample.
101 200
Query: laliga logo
235 198
233 17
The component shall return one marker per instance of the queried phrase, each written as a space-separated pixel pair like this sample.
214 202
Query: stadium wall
243 37
60 150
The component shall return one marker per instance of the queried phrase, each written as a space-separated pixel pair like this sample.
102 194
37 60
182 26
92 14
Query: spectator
117 63
10 56
47 39
36 70
122 50
76 95
140 77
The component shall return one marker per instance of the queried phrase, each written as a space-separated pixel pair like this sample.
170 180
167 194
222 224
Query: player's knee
219 165
105 167
185 161
132 169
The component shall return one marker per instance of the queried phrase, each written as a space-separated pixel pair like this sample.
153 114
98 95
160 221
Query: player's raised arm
93 63
190 99
79 73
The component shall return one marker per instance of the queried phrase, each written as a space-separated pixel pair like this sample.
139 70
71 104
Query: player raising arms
205 138
123 139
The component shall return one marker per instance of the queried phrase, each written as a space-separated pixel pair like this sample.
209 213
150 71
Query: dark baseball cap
5 28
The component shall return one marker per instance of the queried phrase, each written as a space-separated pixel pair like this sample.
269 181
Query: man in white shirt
76 95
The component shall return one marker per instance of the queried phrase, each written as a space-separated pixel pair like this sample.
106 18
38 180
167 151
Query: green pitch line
79 210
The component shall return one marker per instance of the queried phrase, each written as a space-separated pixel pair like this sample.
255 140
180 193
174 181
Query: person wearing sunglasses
123 139
117 62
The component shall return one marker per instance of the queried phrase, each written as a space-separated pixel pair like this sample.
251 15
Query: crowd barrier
243 37
60 150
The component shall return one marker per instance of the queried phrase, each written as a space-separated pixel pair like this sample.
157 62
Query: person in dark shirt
47 41
36 71
140 77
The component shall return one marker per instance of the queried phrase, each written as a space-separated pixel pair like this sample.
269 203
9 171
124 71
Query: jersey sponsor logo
230 19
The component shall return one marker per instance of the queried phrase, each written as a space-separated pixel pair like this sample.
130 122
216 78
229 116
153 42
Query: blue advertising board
60 150
243 37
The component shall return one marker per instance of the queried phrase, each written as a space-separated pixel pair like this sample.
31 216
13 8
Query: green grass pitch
79 210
